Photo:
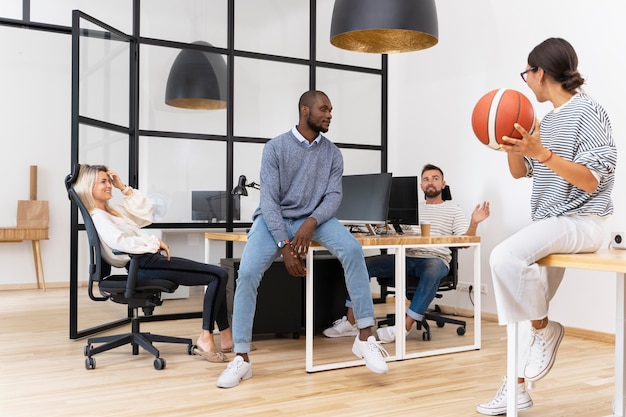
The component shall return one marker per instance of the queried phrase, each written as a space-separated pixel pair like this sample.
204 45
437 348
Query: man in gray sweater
301 173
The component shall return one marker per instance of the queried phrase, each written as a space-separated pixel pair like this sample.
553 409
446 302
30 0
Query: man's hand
293 263
302 239
480 213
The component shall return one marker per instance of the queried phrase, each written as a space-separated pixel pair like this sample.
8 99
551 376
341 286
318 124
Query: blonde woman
119 229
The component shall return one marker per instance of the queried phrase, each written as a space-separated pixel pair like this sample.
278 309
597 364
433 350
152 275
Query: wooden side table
19 234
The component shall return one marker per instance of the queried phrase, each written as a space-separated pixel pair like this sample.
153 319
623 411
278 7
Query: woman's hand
115 180
529 145
164 247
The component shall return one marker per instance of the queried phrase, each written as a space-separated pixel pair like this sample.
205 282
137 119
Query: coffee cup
425 227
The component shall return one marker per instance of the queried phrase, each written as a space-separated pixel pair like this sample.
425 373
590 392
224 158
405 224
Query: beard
316 127
432 192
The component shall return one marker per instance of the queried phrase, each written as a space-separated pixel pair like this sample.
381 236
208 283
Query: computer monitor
210 206
403 206
365 200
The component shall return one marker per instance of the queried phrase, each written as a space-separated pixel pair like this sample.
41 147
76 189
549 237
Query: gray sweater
298 181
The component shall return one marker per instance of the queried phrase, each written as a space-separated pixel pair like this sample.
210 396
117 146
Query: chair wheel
426 336
460 330
159 363
90 363
441 323
191 349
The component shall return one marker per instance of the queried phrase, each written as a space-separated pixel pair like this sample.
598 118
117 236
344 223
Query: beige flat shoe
214 356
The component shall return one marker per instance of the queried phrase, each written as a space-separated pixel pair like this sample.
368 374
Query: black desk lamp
240 189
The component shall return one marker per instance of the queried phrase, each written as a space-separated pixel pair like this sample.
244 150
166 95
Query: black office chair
122 289
447 283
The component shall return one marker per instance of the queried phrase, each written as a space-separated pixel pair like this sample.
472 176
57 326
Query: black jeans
187 272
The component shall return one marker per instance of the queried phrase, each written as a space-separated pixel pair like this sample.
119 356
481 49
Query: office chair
447 283
122 289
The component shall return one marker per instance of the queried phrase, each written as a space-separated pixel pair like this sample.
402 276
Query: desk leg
511 369
309 311
477 299
620 330
400 279
38 264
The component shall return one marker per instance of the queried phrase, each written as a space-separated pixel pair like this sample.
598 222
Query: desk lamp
240 189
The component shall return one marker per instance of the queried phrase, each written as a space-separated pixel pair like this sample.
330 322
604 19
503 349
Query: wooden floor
42 373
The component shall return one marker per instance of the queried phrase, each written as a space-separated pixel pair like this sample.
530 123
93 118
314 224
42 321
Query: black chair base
390 320
135 339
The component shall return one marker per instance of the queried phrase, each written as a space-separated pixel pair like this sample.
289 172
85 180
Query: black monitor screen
365 199
210 206
403 202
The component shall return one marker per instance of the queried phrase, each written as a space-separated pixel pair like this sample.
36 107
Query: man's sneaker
387 334
542 353
497 406
341 328
373 353
237 370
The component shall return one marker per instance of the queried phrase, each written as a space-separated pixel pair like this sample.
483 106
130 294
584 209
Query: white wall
483 45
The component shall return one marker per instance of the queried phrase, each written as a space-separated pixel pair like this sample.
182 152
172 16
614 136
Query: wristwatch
283 243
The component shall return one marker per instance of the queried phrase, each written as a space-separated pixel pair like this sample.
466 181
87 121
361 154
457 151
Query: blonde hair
87 178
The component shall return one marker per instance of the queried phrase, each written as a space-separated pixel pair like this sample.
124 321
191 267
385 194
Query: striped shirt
579 131
445 219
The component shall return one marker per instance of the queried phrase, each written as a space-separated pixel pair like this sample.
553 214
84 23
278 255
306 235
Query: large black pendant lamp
197 80
384 26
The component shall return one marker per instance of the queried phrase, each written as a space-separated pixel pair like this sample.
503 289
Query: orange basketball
497 111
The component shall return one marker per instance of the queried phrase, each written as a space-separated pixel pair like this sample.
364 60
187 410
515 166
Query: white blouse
123 232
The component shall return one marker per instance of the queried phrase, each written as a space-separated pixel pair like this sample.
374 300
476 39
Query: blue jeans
261 250
429 270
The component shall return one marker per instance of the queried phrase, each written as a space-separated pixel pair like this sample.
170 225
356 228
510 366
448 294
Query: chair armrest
133 268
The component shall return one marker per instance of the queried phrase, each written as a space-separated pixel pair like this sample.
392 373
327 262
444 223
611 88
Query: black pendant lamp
384 26
197 80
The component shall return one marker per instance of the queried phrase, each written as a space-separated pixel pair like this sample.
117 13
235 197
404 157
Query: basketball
497 111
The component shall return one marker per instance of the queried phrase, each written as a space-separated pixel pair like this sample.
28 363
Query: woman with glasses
571 158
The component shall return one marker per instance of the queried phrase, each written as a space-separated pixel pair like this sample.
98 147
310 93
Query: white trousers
522 288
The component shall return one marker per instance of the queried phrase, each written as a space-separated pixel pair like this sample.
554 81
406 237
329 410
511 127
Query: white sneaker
387 334
341 328
497 406
542 353
236 371
373 353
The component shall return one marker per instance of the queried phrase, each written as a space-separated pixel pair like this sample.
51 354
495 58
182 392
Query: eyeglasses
524 74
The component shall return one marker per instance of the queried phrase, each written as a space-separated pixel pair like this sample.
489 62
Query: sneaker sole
550 363
351 334
502 411
232 384
367 365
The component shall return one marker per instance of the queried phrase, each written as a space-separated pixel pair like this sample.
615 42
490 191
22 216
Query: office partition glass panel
266 96
359 161
104 83
117 13
11 9
154 114
104 147
186 21
356 100
171 168
275 27
327 52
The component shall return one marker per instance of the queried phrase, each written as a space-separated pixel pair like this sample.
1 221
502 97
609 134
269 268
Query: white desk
398 244
603 260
